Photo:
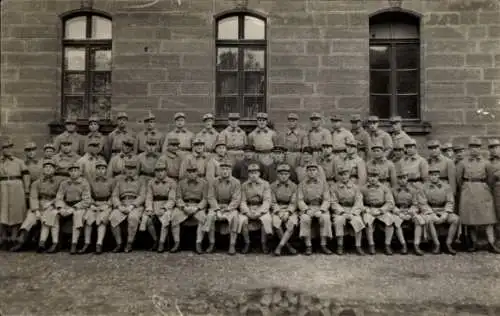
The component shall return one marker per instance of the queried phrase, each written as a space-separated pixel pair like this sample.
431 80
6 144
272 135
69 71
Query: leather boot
117 249
418 251
325 250
128 247
72 251
340 246
232 250
154 246
493 249
161 248
277 251
41 247
211 248
371 249
84 249
437 249
198 248
175 248
98 249
388 250
53 249
360 251
404 249
309 251
265 249
290 249
450 249
17 247
246 248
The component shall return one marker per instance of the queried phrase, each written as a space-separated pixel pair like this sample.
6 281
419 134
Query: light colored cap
49 162
150 117
208 116
433 143
71 119
474 141
401 172
372 171
151 141
122 115
447 145
293 116
377 145
173 141
179 115
49 145
335 118
396 119
253 167
312 164
351 142
74 165
373 118
343 169
493 142
283 168
315 115
131 163
262 115
355 118
234 116
434 169
30 145
160 165
226 163
198 140
94 142
411 142
94 118
220 142
101 163
458 147
129 141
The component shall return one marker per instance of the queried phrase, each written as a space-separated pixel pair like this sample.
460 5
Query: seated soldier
440 200
224 198
313 201
160 202
191 203
148 159
116 164
73 199
284 208
347 205
42 208
128 204
379 203
254 208
98 213
305 159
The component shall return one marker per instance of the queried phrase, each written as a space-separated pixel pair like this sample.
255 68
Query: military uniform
235 138
398 156
64 160
399 137
149 134
446 166
317 136
147 162
172 160
271 173
95 136
329 165
361 136
263 140
495 170
340 135
75 139
116 165
293 141
448 150
118 135
184 136
300 170
378 136
416 166
200 160
213 163
385 167
240 168
459 151
355 164
208 135
88 162
48 151
34 165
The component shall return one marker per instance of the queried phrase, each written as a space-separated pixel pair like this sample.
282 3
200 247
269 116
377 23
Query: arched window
241 64
394 65
86 75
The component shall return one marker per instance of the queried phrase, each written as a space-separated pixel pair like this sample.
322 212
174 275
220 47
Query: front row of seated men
278 208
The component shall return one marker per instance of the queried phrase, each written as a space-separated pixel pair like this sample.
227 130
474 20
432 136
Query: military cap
312 164
179 115
122 115
74 165
447 145
101 163
377 145
474 141
234 116
94 118
355 118
48 162
340 147
160 165
226 163
493 142
372 171
94 142
49 145
398 146
151 141
131 163
307 149
433 143
396 119
191 166
66 141
335 118
373 118
220 142
327 143
248 148
129 141
343 169
29 146
351 142
315 115
283 168
253 167
411 142
401 172
70 119
434 169
173 141
458 147
208 116
262 115
149 117
198 141
293 116
279 148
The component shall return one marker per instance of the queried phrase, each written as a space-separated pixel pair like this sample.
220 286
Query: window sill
410 127
82 126
247 124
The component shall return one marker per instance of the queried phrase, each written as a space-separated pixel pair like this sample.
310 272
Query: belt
415 180
330 179
375 205
437 205
173 177
192 201
147 174
294 150
224 202
403 205
384 180
315 202
283 202
72 203
128 197
10 178
185 148
160 198
101 199
474 180
254 203
47 196
263 151
355 176
116 173
62 173
317 150
347 204
115 151
234 147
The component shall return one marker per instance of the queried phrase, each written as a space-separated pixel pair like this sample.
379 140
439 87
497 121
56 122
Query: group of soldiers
319 182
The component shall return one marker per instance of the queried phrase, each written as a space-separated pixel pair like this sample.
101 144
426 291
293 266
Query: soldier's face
93 150
74 173
198 148
372 125
327 150
209 123
225 172
180 122
377 153
150 124
283 176
434 177
65 148
130 171
411 150
191 174
398 153
233 123
93 126
70 127
344 176
495 151
306 157
342 154
248 154
261 123
122 122
101 171
336 124
126 148
396 127
31 153
402 180
48 170
372 179
460 153
160 173
253 175
48 153
173 148
351 150
315 122
475 150
150 148
355 124
221 150
312 172
434 151
278 156
292 123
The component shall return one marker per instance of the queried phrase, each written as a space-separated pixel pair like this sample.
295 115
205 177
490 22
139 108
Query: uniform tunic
440 202
35 168
339 137
73 198
191 193
476 201
185 138
63 161
240 169
316 137
400 138
301 172
116 165
87 165
147 163
495 170
101 189
379 203
77 142
386 170
380 137
14 179
255 206
329 166
98 137
128 201
213 167
209 136
284 204
363 139
235 138
224 199
42 202
293 140
447 170
116 137
263 140
313 200
146 134
272 173
357 168
173 163
408 201
417 168
347 206
199 160
160 199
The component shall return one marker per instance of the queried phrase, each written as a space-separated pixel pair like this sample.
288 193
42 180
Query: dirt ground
145 283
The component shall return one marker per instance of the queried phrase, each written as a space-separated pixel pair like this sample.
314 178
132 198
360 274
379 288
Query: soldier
317 135
293 140
361 136
14 187
88 162
398 155
445 165
448 150
119 134
255 207
128 201
399 136
263 139
354 163
224 198
117 163
65 158
235 138
180 132
415 165
301 170
328 162
340 135
48 151
240 168
347 206
101 188
379 204
191 203
209 134
73 199
160 202
313 201
441 209
284 208
494 149
95 135
34 165
76 140
171 159
197 158
278 155
150 132
376 135
213 164
386 169
475 177
42 198
147 160
459 153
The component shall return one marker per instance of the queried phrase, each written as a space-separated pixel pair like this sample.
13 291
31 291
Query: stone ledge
82 127
411 128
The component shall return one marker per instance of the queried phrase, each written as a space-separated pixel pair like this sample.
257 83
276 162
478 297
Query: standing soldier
88 162
386 170
65 158
14 187
441 209
278 154
255 207
263 139
475 177
34 165
95 135
234 137
213 164
415 165
197 158
293 140
354 163
171 158
42 207
313 201
150 132
128 201
458 153
347 205
399 136
180 132
328 162
398 155
317 135
361 136
379 204
160 202
494 149
76 140
147 160
378 136
117 163
301 170
284 208
340 135
240 168
73 199
191 203
209 134
224 198
48 151
448 150
446 166
119 134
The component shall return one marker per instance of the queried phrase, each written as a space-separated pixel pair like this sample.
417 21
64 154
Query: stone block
185 33
494 31
478 88
131 61
138 74
445 74
291 88
124 103
445 88
286 74
190 46
489 46
165 60
136 47
288 47
492 73
318 47
496 87
291 19
331 19
40 18
358 19
444 117
39 45
37 101
472 117
469 17
39 74
284 6
192 74
287 61
444 60
9 17
489 103
185 102
130 88
349 46
283 102
335 75
449 46
353 103
477 32
459 131
346 32
31 115
359 61
441 19
305 32
497 60
45 60
319 102
33 31
485 5
9 74
12 45
335 6
489 18
26 87
192 88
163 88
479 60
446 32
343 89
126 32
450 102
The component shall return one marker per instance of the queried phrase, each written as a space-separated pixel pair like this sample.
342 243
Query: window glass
75 28
101 28
227 28
254 28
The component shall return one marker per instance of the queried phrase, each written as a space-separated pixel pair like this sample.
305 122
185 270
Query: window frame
241 44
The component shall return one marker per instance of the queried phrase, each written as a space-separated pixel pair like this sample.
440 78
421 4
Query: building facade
434 62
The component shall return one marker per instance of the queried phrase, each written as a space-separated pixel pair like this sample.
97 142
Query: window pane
74 59
254 28
228 28
101 28
408 106
101 82
73 106
380 81
101 105
227 58
380 31
407 56
402 30
379 57
74 83
407 81
227 83
380 105
75 28
226 105
254 82
254 59
101 59
252 106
